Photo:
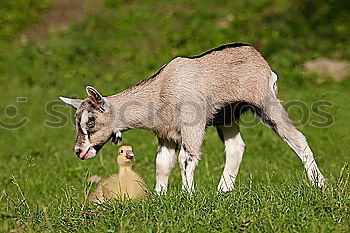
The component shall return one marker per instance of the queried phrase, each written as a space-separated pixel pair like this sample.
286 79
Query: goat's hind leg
234 148
274 115
165 161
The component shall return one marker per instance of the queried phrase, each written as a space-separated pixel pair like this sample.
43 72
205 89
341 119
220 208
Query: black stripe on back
222 47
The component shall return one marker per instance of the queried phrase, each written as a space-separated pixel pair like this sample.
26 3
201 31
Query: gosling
127 185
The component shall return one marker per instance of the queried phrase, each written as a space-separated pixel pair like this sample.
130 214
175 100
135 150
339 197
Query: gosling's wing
97 196
112 187
141 183
135 186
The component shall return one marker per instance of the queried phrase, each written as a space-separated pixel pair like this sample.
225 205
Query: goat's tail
273 83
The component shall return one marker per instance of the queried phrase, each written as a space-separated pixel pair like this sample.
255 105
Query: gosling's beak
129 154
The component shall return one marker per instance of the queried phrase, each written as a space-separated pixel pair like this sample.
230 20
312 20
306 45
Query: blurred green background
57 47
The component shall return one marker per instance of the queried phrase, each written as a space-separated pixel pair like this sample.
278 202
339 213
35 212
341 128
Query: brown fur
187 95
159 104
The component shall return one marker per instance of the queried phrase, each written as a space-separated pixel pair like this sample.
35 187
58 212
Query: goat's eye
91 122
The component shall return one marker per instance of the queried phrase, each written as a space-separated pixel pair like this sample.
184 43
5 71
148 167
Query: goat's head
93 123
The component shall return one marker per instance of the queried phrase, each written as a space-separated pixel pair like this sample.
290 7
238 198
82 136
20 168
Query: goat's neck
134 108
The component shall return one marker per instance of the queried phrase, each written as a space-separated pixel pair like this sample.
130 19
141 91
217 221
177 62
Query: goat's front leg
187 164
165 161
189 156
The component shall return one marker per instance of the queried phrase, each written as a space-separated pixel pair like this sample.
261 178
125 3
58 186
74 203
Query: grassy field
120 42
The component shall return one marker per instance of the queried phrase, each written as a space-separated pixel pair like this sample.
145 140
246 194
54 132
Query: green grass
17 15
42 182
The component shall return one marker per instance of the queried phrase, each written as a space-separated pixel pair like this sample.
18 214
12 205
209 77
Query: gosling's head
125 156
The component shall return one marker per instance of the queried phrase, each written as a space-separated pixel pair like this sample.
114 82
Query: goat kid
184 97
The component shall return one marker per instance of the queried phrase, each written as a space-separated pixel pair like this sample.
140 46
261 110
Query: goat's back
227 74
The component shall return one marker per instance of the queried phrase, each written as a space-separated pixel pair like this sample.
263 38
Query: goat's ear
75 103
94 96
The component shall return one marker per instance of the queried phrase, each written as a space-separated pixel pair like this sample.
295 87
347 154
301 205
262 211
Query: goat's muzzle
86 154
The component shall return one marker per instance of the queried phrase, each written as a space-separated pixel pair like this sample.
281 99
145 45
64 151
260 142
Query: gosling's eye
91 122
122 151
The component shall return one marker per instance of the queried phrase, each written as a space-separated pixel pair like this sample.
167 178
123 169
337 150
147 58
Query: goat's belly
228 114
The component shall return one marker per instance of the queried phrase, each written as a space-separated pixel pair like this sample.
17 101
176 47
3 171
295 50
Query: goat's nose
77 151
